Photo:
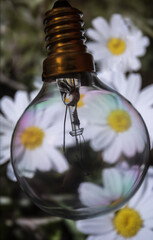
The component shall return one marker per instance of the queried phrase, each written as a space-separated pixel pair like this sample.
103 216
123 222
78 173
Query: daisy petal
134 85
6 125
5 141
146 96
134 64
92 195
118 26
4 155
112 153
9 109
99 225
108 236
129 180
21 105
138 196
41 160
10 173
103 140
101 26
144 234
112 180
58 160
147 209
92 34
25 166
148 223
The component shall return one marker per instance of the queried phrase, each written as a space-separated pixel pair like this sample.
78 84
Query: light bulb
77 134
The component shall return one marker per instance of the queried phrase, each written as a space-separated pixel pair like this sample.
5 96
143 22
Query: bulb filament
69 89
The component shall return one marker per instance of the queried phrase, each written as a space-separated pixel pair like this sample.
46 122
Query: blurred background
22 54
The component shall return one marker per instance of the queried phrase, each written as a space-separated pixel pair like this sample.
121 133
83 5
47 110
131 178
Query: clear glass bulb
79 139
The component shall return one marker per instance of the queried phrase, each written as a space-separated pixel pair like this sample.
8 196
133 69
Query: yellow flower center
119 120
116 46
32 137
67 100
127 222
81 103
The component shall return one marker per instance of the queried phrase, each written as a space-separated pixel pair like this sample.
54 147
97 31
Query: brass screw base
65 40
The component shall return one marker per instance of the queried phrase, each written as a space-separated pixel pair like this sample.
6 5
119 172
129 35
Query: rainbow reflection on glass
78 135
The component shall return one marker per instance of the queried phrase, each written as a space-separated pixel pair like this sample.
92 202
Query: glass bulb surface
78 135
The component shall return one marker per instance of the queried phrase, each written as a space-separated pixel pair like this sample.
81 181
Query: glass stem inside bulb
69 89
75 123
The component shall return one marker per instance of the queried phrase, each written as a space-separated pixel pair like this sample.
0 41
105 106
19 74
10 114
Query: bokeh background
22 54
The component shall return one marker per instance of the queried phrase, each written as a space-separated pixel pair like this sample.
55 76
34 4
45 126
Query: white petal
21 101
150 172
149 179
18 150
96 49
113 182
129 180
118 26
105 76
99 225
133 87
139 44
139 142
146 207
112 153
58 160
94 35
148 223
112 101
103 140
146 97
119 82
92 195
138 196
6 125
5 141
10 173
40 119
108 236
25 121
4 156
134 64
101 26
128 144
25 165
9 109
144 234
91 132
41 160
34 93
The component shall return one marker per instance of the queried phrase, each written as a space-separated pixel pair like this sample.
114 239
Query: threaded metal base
65 42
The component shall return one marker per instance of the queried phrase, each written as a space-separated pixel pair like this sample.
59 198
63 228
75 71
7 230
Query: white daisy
130 88
132 222
12 110
35 141
117 185
113 127
116 45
